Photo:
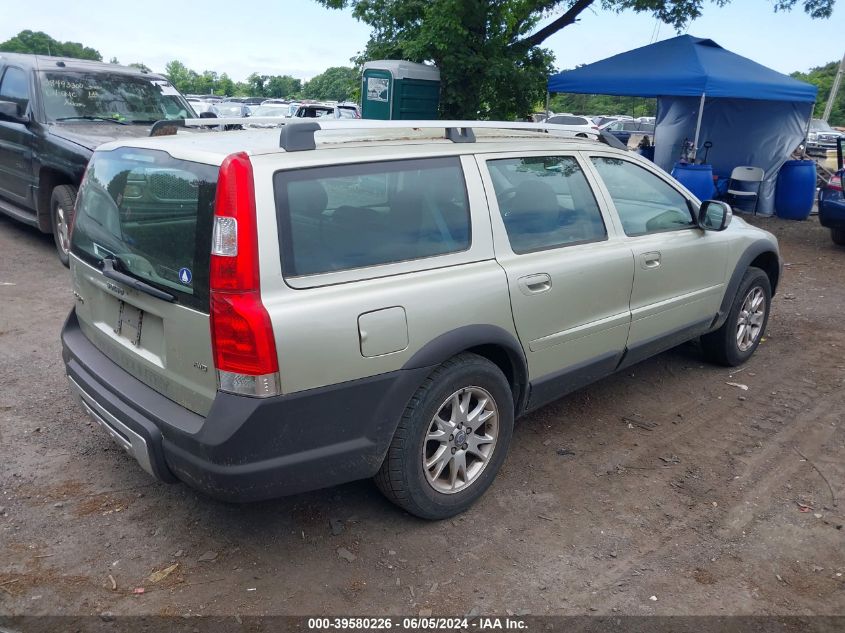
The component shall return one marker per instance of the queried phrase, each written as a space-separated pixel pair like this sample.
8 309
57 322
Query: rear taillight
241 331
836 181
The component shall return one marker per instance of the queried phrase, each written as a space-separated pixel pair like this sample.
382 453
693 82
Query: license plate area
130 320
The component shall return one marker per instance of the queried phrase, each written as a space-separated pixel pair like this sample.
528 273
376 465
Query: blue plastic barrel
796 189
697 178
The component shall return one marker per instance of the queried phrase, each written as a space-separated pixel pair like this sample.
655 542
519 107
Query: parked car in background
230 109
199 105
821 136
313 111
268 110
53 113
832 199
347 110
303 348
623 129
584 125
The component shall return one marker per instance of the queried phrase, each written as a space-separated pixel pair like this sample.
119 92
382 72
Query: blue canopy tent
751 114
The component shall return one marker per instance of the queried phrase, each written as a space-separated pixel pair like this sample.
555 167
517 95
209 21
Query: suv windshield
103 95
817 125
151 214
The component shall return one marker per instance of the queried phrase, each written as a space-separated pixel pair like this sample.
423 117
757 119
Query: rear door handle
650 260
534 284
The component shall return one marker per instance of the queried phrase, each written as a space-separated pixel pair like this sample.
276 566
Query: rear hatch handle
110 272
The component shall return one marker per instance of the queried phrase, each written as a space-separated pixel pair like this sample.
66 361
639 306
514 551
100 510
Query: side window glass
351 216
545 202
645 203
14 87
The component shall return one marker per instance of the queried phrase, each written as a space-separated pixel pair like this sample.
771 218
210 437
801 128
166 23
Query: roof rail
168 126
299 135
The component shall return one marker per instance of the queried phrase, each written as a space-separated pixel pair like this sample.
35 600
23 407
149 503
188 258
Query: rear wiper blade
123 276
91 118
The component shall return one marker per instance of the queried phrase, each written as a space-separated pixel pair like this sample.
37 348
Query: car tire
838 236
735 341
425 436
61 217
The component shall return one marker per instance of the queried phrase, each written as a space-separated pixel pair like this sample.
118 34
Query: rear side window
152 215
351 216
545 202
645 203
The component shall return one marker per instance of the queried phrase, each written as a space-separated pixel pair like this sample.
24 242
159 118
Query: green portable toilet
396 89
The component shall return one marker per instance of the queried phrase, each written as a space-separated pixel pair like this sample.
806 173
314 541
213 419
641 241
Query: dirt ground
662 490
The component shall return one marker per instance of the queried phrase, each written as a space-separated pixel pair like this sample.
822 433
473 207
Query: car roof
213 147
47 62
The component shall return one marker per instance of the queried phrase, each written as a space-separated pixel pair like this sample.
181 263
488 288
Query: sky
301 38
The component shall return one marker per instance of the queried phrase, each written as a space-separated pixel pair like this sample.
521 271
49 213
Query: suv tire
61 217
735 342
436 429
838 236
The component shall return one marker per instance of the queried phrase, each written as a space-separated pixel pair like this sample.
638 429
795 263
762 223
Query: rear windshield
151 213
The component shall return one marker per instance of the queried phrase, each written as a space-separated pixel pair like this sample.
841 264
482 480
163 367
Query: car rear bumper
245 449
831 209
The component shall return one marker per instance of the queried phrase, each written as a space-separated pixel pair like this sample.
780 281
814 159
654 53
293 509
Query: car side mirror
208 115
714 215
10 111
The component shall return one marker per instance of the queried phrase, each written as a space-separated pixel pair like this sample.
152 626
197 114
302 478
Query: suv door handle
650 260
534 284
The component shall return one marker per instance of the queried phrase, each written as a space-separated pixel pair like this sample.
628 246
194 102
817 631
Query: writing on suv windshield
110 96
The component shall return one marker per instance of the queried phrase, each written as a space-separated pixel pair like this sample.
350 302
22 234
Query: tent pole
698 128
547 104
807 131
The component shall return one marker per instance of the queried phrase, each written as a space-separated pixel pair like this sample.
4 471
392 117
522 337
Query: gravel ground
661 490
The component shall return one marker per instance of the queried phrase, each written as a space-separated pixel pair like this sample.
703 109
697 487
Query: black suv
53 113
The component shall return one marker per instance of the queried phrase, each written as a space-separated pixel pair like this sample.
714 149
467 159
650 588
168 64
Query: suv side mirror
10 111
714 215
208 115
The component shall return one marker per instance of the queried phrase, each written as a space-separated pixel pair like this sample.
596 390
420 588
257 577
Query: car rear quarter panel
318 330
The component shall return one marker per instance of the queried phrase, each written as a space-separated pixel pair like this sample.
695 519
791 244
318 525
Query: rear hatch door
140 264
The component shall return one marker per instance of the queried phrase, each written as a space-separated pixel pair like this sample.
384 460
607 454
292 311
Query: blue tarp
752 114
683 66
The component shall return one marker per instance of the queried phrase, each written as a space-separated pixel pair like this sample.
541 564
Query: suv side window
645 203
15 87
545 202
351 216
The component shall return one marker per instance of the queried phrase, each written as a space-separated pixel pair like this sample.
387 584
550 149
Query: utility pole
834 89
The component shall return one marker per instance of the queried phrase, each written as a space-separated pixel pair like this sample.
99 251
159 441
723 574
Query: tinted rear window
351 216
155 214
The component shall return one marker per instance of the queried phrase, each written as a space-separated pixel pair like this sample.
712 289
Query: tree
140 66
822 76
40 43
489 51
339 83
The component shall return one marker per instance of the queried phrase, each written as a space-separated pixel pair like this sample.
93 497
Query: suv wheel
838 236
451 441
61 216
735 342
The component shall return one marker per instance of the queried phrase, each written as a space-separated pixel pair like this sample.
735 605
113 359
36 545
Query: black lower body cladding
248 449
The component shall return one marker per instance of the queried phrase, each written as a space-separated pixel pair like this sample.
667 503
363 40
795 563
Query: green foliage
822 76
339 83
38 42
488 51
